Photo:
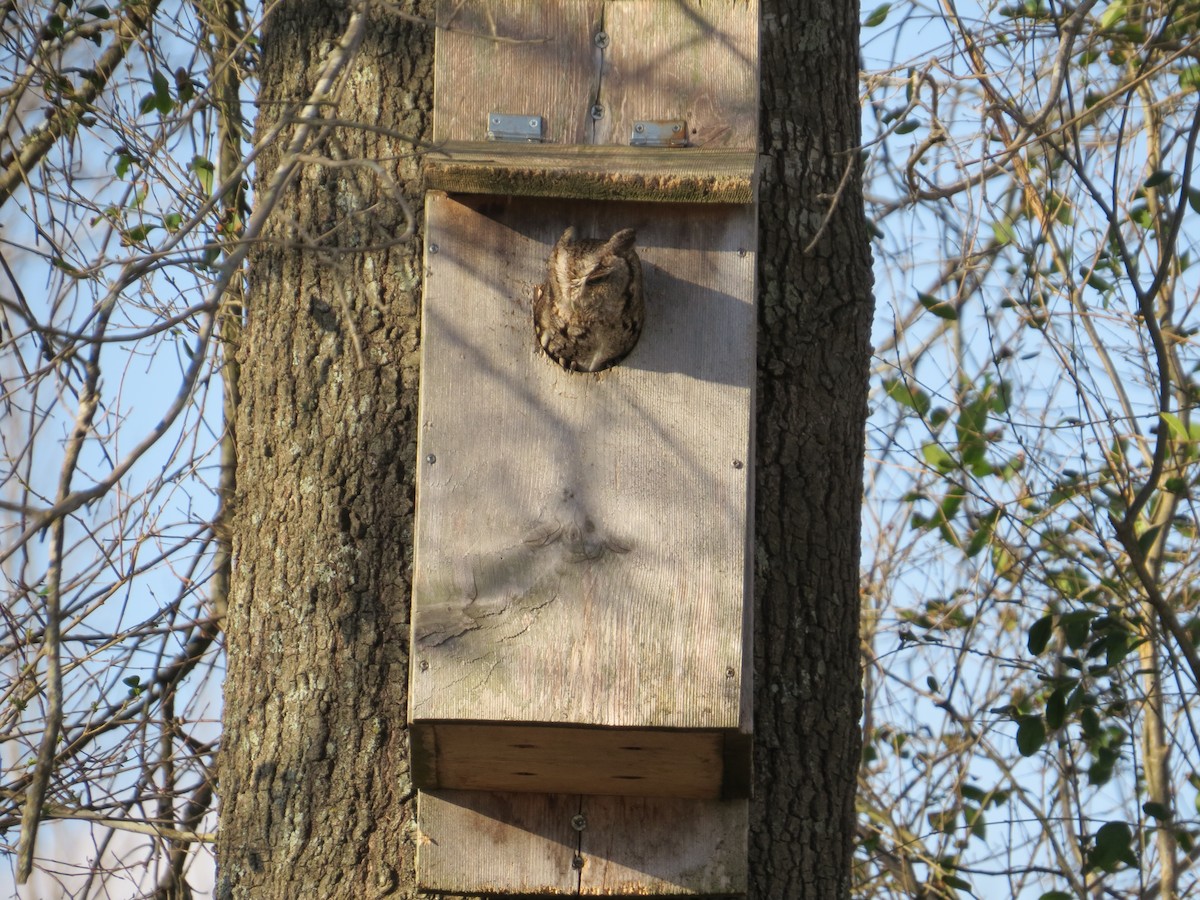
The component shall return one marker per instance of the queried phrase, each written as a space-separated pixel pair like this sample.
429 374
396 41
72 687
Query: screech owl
589 312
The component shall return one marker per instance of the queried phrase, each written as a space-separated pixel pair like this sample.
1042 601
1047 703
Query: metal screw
743 252
577 862
601 39
675 128
639 127
579 822
737 464
729 673
431 459
597 111
424 665
534 123
434 248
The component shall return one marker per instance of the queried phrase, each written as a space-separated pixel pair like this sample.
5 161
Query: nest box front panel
581 538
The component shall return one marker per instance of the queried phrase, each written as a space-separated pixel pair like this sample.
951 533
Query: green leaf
204 170
138 233
1039 634
1114 845
1101 771
1075 627
1003 232
878 14
1147 538
59 263
1189 78
1193 194
1056 709
939 308
171 221
1031 735
931 683
185 88
1156 178
952 502
1113 14
916 400
1156 810
908 125
936 456
983 534
1175 425
973 793
1095 282
1056 895
943 821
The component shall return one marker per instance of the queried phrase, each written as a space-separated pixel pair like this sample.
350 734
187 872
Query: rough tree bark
314 783
813 353
315 794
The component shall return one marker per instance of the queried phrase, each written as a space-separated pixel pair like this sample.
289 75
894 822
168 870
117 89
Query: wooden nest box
581 634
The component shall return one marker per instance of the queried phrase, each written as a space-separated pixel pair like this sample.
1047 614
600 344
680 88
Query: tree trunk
316 799
315 794
813 353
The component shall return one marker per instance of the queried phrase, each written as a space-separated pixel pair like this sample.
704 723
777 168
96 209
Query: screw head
601 39
737 463
431 459
579 822
434 248
597 111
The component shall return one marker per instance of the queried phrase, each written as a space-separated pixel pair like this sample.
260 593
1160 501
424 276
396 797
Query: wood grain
593 172
676 59
519 58
621 762
581 539
482 843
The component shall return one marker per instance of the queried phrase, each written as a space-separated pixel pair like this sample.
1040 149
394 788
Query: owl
589 312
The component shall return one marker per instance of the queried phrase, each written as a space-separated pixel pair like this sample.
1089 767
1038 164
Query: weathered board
585 172
593 68
581 602
700 765
483 843
581 539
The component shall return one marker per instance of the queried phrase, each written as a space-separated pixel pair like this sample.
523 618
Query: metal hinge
521 129
660 133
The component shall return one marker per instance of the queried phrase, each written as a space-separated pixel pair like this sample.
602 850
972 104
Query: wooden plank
651 846
593 172
626 762
516 57
580 554
535 844
661 60
488 843
684 59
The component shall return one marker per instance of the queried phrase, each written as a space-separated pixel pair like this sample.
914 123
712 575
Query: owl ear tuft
621 242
